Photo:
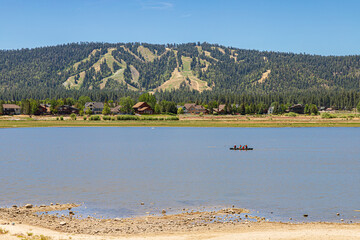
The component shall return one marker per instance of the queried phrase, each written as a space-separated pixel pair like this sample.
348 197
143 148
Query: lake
291 172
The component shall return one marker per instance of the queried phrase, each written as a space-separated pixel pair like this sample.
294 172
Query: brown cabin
220 110
192 108
143 108
11 109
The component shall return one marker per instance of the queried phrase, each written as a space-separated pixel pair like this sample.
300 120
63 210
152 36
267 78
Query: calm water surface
292 171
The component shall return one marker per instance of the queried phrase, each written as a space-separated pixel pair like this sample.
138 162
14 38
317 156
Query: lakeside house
11 109
143 108
67 109
192 108
116 110
183 108
220 110
95 107
297 108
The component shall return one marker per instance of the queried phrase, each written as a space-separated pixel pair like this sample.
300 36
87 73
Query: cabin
271 110
183 108
67 109
220 110
116 110
143 108
95 107
297 108
11 109
43 109
192 108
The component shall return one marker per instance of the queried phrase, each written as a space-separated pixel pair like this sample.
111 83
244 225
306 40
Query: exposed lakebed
291 172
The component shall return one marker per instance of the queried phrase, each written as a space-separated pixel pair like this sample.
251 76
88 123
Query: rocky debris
305 215
62 223
14 206
142 203
28 206
163 211
338 214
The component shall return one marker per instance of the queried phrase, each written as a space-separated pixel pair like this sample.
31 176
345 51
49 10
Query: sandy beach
234 223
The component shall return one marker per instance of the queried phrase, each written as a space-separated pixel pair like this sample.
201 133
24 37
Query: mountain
153 67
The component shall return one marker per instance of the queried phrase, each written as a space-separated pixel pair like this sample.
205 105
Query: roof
115 109
199 107
95 104
139 104
189 105
144 108
14 106
222 107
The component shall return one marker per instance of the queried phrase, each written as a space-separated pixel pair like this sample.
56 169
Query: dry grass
264 76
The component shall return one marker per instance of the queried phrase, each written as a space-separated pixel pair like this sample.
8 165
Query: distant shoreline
229 223
22 121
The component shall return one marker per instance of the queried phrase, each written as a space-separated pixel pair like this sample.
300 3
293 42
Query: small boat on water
242 149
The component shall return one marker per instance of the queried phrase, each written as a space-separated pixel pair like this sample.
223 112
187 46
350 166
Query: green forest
192 72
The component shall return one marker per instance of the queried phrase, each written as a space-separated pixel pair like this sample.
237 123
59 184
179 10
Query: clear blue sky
318 27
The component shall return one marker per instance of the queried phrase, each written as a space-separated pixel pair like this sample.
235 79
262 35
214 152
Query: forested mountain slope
153 67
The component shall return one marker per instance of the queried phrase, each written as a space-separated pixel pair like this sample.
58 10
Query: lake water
291 172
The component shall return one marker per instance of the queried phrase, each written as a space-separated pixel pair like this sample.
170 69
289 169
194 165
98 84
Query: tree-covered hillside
201 67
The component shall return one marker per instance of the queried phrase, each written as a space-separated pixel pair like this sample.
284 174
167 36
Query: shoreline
230 223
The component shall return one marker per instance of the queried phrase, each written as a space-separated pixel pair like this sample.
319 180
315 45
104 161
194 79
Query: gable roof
189 105
95 104
13 106
141 105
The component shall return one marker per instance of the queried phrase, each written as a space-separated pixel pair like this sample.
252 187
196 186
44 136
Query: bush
84 118
73 116
95 118
107 118
172 118
61 118
291 114
57 118
127 117
327 115
113 119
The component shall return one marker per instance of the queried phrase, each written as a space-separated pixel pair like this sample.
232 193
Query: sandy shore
234 223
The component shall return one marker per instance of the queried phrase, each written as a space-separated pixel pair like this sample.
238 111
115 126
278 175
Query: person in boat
240 147
246 147
234 146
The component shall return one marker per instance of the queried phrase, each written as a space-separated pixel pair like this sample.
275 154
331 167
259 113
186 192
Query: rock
62 223
290 218
117 219
342 220
338 214
13 223
51 204
163 211
305 215
43 205
28 206
142 203
14 206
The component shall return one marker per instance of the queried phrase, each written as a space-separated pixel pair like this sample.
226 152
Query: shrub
107 118
84 118
113 119
57 118
61 118
73 116
327 115
172 118
127 117
95 118
291 114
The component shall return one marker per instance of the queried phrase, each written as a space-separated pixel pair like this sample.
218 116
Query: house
116 110
183 108
192 108
143 108
271 110
220 110
95 107
43 109
297 108
67 109
11 109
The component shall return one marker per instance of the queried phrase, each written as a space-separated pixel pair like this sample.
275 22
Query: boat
242 149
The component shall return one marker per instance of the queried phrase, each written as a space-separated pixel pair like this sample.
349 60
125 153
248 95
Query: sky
315 27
